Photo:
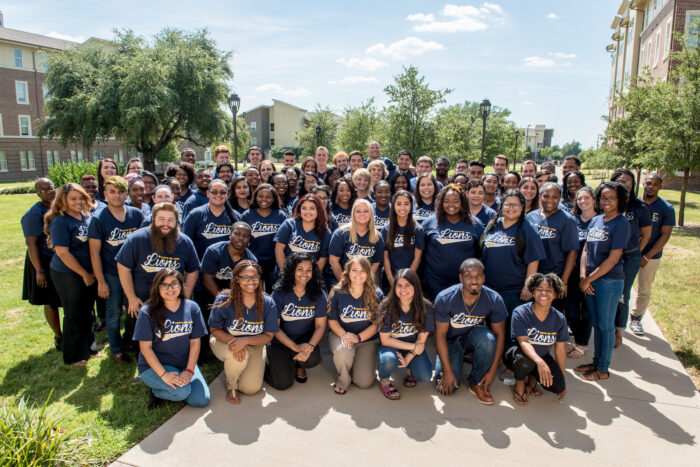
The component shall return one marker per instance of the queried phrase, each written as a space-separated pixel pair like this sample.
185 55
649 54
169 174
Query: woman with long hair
264 217
239 194
306 232
451 236
639 215
134 166
603 275
105 168
309 165
573 181
333 174
531 191
306 183
267 168
302 307
252 175
359 238
343 198
406 319
352 319
400 181
292 174
475 195
377 169
243 321
425 193
323 193
362 180
183 172
169 328
279 181
404 238
66 228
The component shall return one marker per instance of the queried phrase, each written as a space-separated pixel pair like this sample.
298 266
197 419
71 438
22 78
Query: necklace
466 307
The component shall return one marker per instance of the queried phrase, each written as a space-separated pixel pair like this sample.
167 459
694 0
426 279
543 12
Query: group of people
256 268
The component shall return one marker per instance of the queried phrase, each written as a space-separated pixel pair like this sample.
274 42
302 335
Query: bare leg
53 319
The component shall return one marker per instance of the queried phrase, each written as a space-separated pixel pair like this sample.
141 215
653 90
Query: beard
163 243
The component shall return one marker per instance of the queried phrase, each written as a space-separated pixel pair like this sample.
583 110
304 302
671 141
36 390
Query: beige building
642 38
275 125
537 137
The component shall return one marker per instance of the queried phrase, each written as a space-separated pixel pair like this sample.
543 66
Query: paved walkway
647 413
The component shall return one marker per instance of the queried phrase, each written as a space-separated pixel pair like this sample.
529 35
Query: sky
543 60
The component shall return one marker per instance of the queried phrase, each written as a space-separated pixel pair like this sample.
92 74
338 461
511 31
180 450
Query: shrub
67 172
17 190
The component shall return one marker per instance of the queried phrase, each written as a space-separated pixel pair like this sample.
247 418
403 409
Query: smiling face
528 170
169 289
584 200
308 212
544 294
472 280
376 172
404 291
549 200
357 275
279 181
46 191
310 182
176 189
164 221
344 194
135 168
442 167
510 182
404 162
500 166
225 173
254 156
162 195
491 185
240 236
426 189
402 205
362 214
248 280
266 169
90 186
75 203
181 177
476 195
321 156
529 190
382 194
569 165
361 184
303 273
626 180
476 172
342 163
108 169
652 185
148 185
512 208
289 160
356 162
136 193
242 190
608 201
202 180
452 204
400 183
222 156
573 184
218 194
264 199
423 167
252 176
373 150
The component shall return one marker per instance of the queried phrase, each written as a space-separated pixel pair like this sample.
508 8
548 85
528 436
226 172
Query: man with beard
108 231
442 167
462 312
202 180
150 249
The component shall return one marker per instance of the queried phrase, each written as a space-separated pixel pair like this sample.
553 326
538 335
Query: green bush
33 436
17 190
71 172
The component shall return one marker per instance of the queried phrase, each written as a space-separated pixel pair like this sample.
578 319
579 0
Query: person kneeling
538 326
169 328
406 320
243 320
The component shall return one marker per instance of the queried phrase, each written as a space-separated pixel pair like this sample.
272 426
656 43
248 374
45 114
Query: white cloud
460 18
539 62
275 88
552 16
66 37
399 50
355 80
562 55
367 64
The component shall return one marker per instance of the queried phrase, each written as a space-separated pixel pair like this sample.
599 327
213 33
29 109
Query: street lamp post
318 135
234 103
485 111
515 151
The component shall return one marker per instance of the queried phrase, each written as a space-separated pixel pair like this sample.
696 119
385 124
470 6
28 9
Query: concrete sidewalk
647 413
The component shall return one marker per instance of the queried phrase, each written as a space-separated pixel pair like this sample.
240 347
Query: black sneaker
153 401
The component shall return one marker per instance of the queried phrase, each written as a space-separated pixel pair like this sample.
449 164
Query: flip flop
532 389
520 398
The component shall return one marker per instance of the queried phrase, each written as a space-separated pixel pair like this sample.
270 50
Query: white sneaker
636 327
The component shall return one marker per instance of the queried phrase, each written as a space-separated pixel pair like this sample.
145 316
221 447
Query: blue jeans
482 342
387 362
196 393
114 314
630 265
602 307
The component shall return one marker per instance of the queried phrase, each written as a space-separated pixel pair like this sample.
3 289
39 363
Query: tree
361 124
572 148
146 94
243 137
409 123
328 122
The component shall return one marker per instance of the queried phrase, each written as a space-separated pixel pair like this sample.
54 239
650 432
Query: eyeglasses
218 192
512 205
608 200
170 285
278 183
249 278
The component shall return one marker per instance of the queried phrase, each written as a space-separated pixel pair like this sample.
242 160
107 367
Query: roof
34 40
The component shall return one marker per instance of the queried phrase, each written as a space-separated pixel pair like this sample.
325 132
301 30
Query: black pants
577 315
516 360
280 368
268 268
77 300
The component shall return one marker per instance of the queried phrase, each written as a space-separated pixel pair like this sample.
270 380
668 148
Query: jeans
522 366
482 342
602 307
630 265
196 393
387 362
114 314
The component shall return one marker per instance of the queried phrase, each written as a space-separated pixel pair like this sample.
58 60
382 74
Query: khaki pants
245 376
645 278
360 359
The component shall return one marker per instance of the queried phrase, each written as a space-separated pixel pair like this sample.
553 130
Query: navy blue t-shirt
542 335
217 262
662 214
639 215
424 211
72 233
112 233
603 237
450 308
350 312
296 240
206 229
446 246
485 215
264 229
249 324
343 248
297 315
33 226
145 208
582 229
505 269
559 236
196 200
181 326
412 185
404 329
496 204
144 263
399 257
342 216
381 217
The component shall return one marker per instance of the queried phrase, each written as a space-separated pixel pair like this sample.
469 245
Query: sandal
390 392
595 375
575 351
519 398
232 397
587 368
300 376
410 381
531 388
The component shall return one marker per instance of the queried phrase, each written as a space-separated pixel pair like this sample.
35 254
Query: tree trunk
684 189
149 161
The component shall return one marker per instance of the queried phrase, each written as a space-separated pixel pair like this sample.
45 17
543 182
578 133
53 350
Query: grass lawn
112 412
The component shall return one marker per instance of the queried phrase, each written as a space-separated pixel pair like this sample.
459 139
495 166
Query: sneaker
507 377
636 327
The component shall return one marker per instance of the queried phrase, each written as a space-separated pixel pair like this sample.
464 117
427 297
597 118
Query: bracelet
42 271
190 371
643 256
359 338
312 346
164 372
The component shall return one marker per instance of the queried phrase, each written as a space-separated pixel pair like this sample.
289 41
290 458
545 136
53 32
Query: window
53 157
253 141
46 90
25 125
44 62
207 154
26 160
692 23
669 36
2 132
641 59
98 155
119 156
19 61
3 161
253 126
649 52
272 127
657 46
76 156
272 141
22 92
